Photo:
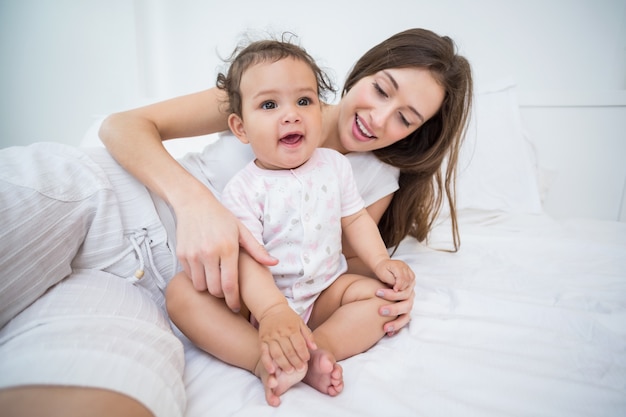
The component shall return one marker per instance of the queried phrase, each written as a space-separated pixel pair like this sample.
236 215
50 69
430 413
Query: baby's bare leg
345 317
209 323
345 322
213 327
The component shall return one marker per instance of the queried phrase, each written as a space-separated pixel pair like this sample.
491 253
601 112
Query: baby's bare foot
278 383
324 374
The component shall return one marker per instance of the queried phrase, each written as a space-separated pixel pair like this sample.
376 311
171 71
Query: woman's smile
362 129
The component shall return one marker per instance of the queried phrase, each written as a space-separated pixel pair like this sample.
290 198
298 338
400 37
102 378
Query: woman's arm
208 235
134 138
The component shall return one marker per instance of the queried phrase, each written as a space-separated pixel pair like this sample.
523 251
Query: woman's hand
400 277
400 308
401 302
208 240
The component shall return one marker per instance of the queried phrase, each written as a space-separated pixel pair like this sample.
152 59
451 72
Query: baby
306 312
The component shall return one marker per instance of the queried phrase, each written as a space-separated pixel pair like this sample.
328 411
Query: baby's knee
363 289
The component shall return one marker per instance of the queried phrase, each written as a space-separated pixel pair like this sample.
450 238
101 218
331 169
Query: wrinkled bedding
528 318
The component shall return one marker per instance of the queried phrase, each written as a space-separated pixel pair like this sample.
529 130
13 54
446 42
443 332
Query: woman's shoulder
219 160
366 163
374 178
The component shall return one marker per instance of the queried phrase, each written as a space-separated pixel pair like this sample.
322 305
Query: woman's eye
304 101
404 120
268 105
380 90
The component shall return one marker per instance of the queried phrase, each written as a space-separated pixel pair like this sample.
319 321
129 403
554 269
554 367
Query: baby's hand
396 273
285 340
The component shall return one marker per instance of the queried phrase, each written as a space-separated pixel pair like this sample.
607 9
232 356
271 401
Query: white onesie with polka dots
296 214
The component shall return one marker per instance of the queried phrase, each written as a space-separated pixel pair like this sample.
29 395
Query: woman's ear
235 123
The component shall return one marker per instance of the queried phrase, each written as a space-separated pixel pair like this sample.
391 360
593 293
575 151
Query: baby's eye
268 105
304 101
380 90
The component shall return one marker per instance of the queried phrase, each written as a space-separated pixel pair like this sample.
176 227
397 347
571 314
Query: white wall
562 44
582 151
65 62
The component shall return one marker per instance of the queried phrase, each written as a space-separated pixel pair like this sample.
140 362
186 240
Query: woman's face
386 107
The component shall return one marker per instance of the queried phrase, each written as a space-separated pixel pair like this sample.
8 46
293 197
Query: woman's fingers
254 248
212 262
392 295
392 327
399 309
228 281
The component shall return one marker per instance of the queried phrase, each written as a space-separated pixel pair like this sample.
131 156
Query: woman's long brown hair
420 157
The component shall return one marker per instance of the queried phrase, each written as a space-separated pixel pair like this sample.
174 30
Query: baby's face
281 111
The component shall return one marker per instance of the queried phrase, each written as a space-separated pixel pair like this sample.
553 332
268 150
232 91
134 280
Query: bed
527 319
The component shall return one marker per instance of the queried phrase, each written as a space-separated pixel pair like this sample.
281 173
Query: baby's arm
363 236
284 337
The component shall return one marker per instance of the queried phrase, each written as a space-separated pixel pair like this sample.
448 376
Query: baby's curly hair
250 53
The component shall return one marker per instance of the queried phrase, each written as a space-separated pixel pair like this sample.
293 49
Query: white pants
74 229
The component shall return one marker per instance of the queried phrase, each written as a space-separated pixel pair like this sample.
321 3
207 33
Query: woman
74 336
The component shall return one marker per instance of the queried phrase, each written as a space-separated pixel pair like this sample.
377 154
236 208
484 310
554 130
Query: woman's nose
380 115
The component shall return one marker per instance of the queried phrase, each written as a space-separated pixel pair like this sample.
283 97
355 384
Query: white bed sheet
527 319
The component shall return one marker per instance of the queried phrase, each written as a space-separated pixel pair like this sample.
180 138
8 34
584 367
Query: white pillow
496 169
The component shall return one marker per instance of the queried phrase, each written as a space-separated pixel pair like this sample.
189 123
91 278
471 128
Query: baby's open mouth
291 139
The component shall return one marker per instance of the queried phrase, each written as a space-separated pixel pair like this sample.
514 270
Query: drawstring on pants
138 241
139 272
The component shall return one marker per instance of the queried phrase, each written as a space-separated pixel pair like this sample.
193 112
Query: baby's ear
235 123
